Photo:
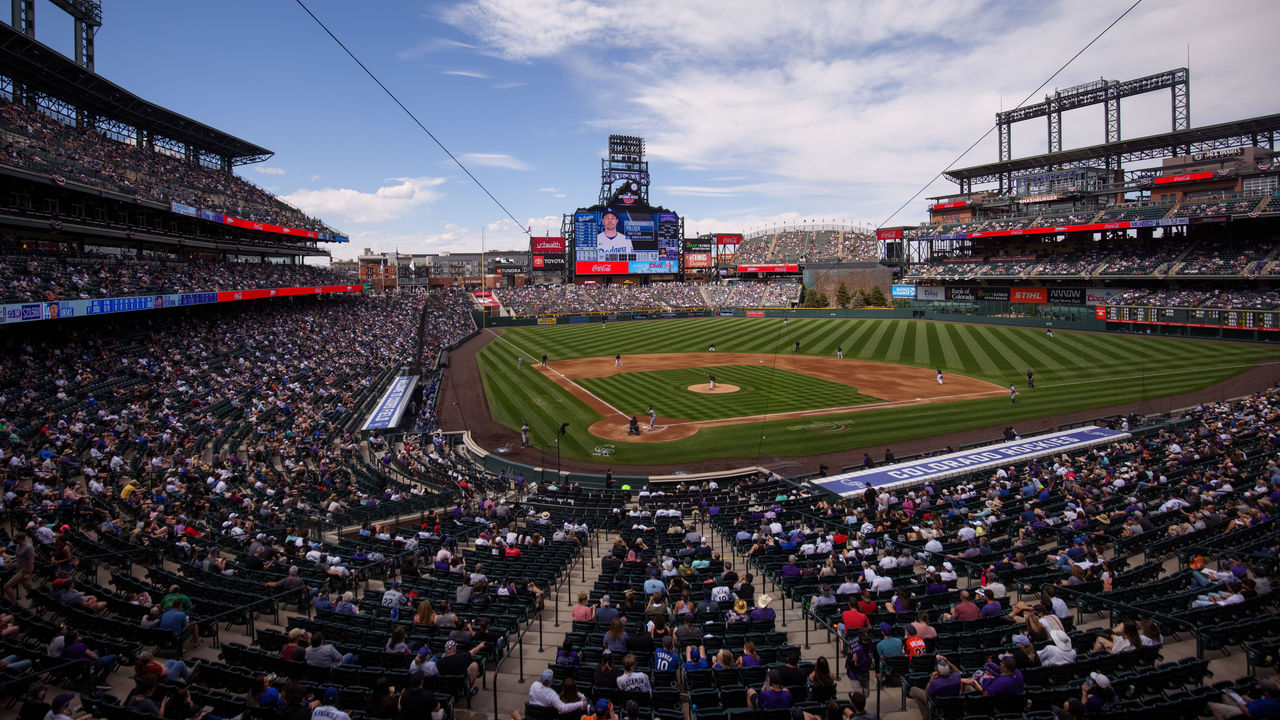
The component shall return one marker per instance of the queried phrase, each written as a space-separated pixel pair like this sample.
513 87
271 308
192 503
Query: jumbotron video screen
626 242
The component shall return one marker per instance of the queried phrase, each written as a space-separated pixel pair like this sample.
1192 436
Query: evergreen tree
842 295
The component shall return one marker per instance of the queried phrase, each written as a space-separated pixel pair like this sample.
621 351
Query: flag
410 263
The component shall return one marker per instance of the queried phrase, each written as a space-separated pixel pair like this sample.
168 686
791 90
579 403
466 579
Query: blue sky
755 112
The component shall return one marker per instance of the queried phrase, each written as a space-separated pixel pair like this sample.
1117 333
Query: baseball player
712 348
524 434
1013 394
519 362
1031 379
839 352
797 346
617 360
653 417
544 359
939 376
1048 330
711 382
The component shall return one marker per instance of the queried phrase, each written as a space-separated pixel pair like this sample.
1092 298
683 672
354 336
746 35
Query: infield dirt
896 385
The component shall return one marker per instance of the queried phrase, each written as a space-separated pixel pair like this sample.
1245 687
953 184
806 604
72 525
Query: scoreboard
1192 317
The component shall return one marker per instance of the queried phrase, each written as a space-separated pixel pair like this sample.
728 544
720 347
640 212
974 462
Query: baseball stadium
1016 459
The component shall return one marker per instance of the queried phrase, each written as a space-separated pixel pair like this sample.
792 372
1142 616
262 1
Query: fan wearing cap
694 659
944 682
458 662
542 694
611 241
1096 693
1003 678
325 709
1024 653
59 709
1060 651
763 613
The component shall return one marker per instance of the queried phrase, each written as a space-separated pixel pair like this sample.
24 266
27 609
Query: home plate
917 398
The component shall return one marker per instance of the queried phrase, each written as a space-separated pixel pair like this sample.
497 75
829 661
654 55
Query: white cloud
388 202
548 190
466 74
508 85
267 170
862 99
498 160
431 45
315 177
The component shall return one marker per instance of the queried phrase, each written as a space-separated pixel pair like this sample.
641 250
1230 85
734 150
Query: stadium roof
1253 131
44 69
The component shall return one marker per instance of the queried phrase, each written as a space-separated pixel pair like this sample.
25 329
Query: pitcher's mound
720 388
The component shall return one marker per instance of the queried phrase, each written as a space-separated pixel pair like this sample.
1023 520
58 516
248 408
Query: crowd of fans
1211 255
1236 299
539 299
888 568
35 140
809 246
33 278
222 447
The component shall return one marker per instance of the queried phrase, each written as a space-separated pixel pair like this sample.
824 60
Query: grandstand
1101 225
196 520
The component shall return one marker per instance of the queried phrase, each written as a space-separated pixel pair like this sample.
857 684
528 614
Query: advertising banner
948 205
699 246
546 321
543 245
1101 296
391 407
755 313
962 293
768 268
579 320
268 227
233 295
932 469
1029 295
602 268
64 309
734 239
994 294
931 292
1187 177
695 260
548 262
892 234
1066 296
904 291
724 313
184 209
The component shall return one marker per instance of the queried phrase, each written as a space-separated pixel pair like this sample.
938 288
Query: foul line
564 377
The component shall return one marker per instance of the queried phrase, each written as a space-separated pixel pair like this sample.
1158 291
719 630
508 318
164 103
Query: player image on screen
611 241
618 241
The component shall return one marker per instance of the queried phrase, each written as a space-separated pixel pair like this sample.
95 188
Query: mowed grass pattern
764 389
1073 371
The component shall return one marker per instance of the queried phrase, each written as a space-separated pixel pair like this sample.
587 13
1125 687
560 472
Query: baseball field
772 400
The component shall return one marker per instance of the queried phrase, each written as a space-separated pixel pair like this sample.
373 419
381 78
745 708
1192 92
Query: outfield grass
1073 371
763 389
